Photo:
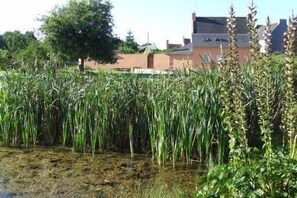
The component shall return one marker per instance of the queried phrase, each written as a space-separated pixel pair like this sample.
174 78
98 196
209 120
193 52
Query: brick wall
124 61
214 52
165 61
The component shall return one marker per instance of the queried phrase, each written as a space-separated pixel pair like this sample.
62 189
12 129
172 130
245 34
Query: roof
261 29
215 40
187 49
218 25
148 46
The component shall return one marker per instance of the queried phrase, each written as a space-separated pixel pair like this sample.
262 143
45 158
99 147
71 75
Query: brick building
209 40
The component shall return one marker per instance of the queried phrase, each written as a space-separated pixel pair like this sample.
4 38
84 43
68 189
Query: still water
60 172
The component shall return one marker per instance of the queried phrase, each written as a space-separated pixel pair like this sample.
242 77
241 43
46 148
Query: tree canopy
129 46
16 41
81 30
2 43
11 45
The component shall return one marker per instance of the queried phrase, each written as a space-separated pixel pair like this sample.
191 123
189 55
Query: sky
149 20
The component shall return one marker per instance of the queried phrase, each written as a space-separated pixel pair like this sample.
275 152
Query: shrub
255 177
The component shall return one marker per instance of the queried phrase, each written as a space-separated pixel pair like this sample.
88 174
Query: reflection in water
7 195
59 172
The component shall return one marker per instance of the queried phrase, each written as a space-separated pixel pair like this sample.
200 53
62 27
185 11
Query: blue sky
163 19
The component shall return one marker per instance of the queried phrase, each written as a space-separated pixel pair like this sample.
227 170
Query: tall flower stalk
231 93
265 94
289 116
251 23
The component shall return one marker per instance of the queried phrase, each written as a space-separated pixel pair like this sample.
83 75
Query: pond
60 172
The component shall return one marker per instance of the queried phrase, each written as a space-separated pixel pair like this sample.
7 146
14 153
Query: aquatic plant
173 117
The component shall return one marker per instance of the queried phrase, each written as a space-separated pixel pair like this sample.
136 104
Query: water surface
59 172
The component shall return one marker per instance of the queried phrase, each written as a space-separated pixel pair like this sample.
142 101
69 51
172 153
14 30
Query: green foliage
2 43
263 85
12 44
34 56
253 177
82 29
269 85
160 190
17 41
289 109
174 117
231 93
4 59
129 46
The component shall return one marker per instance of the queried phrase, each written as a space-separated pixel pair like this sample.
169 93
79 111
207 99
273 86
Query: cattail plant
174 117
289 103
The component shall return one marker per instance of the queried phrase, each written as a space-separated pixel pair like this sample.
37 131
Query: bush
254 177
4 58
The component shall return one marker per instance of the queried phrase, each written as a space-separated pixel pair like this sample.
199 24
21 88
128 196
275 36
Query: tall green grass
173 117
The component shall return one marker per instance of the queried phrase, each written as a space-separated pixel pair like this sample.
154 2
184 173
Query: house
277 36
210 39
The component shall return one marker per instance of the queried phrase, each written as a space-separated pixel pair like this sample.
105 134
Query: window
221 40
206 59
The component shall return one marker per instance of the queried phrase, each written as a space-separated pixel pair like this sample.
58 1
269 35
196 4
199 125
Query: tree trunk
81 65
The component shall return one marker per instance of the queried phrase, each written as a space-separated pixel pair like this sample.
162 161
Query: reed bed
173 117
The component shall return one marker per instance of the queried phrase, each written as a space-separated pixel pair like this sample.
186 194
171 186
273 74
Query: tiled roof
148 46
187 49
216 40
261 29
217 25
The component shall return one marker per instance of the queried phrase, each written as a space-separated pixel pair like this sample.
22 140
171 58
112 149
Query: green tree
81 30
2 43
12 44
4 59
16 41
129 46
34 56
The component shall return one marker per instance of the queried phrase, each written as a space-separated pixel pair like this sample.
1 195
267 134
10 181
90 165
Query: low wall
164 61
124 61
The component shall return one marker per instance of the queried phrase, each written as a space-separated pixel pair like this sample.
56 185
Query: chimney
283 21
167 44
193 22
194 16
